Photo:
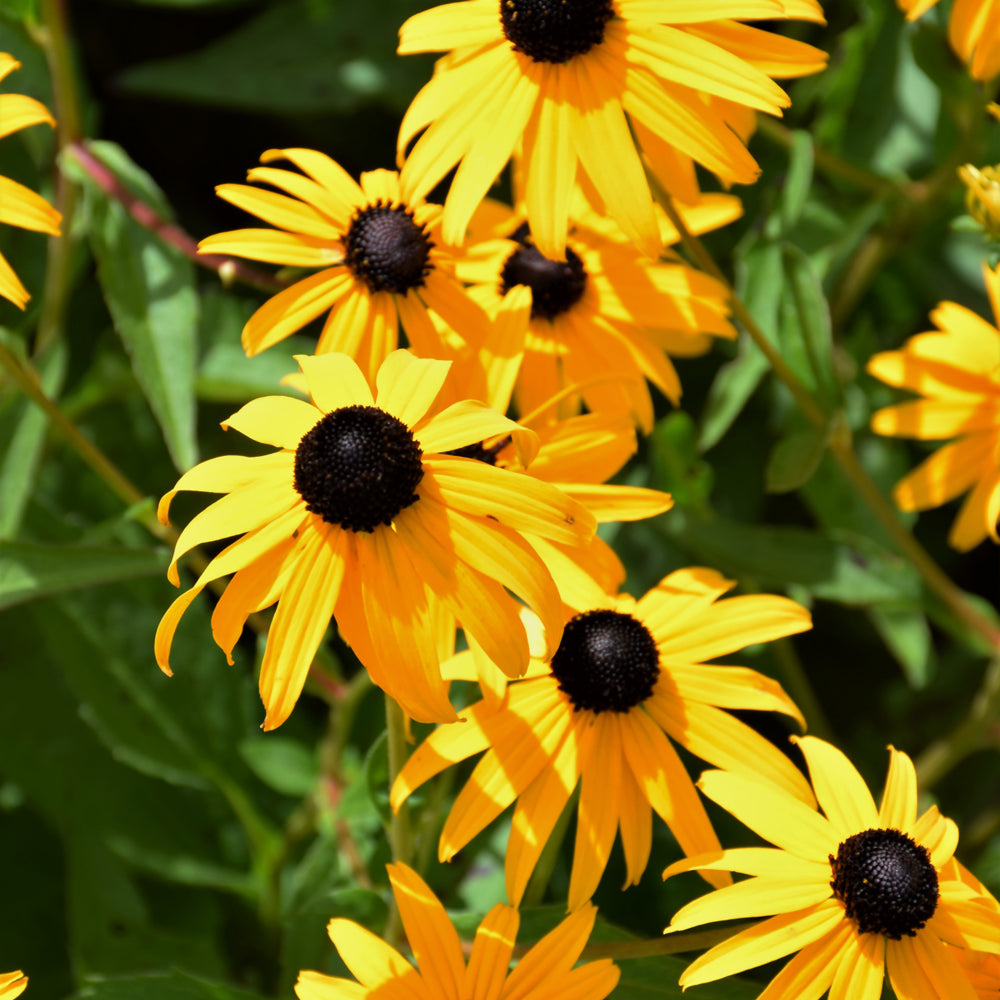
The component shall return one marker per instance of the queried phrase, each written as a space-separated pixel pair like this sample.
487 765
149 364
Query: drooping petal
899 800
840 790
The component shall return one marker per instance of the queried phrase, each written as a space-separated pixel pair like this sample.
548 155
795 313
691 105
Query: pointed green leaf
794 459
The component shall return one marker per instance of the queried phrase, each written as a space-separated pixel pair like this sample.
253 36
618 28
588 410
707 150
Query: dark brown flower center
554 31
556 285
886 882
607 661
358 468
386 249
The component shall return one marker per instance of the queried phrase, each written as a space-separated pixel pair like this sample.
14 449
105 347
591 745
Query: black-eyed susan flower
956 370
20 206
378 260
627 678
442 972
561 83
604 319
856 890
12 984
362 516
973 31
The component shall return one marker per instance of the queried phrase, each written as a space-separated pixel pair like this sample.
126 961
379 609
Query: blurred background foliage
153 841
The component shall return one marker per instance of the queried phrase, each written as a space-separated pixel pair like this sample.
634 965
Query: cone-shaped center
607 661
886 882
554 31
358 467
556 285
387 250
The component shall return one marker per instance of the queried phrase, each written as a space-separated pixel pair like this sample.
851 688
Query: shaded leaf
794 459
174 985
149 289
907 635
29 571
281 763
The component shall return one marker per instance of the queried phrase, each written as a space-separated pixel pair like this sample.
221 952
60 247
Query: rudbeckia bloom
973 31
381 259
628 677
562 82
956 369
20 206
856 892
604 311
442 973
12 984
361 515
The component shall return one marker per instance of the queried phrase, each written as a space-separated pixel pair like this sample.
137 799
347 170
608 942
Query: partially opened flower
381 261
20 206
441 971
857 890
12 984
561 82
956 370
973 30
628 677
363 516
605 319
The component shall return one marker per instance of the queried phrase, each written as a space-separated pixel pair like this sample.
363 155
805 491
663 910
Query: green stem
976 731
828 163
27 378
400 834
669 944
842 448
812 410
54 38
539 881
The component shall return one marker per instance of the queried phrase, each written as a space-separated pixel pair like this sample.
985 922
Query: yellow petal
922 968
334 381
429 933
407 385
18 111
810 973
840 790
274 246
732 687
278 420
860 973
899 800
948 472
491 953
10 285
773 814
301 620
20 206
773 939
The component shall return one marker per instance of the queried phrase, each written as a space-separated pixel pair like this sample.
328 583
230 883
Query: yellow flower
563 83
12 984
20 206
363 516
973 30
856 892
628 677
442 973
982 967
605 319
381 259
956 369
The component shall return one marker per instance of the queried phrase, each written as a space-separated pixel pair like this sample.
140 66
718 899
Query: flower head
605 319
982 196
441 971
380 258
628 677
561 83
12 984
362 515
857 890
956 370
20 206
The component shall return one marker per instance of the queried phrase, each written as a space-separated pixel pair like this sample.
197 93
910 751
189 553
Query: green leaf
798 180
225 373
173 985
794 459
149 289
307 59
282 764
182 868
907 635
24 430
806 335
377 777
29 571
676 465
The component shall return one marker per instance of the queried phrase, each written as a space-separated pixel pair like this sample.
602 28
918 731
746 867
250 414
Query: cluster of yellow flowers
405 505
